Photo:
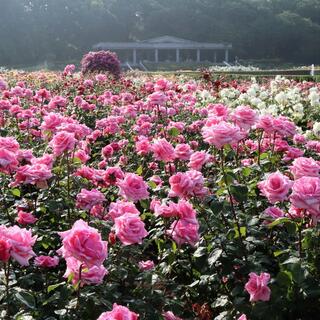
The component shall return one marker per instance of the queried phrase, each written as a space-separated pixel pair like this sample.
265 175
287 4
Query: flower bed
157 198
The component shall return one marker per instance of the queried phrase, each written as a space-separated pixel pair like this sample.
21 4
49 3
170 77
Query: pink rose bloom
133 188
306 194
112 174
89 275
25 218
221 134
170 316
69 70
84 244
36 174
9 143
146 265
46 159
266 123
299 138
143 146
121 207
86 199
198 159
164 210
46 261
244 117
305 167
292 153
62 142
275 187
97 211
219 111
51 122
157 98
183 231
274 212
119 313
257 287
242 317
8 161
82 156
21 242
284 126
129 228
187 184
163 150
185 211
5 248
182 151
107 152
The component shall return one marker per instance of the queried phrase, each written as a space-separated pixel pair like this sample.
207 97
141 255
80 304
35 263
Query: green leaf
201 251
214 256
246 171
216 206
239 192
152 184
243 231
139 171
284 278
16 192
277 222
174 132
26 298
292 260
54 286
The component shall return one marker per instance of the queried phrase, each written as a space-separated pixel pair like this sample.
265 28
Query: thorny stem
232 206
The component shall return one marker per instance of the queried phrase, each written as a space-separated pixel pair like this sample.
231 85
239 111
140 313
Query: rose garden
146 197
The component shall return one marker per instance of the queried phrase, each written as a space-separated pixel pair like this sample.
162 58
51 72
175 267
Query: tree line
33 31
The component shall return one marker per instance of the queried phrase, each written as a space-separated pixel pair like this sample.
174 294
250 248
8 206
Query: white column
226 56
156 55
177 55
198 55
134 56
215 57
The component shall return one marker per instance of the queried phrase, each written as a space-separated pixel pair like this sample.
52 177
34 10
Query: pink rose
46 261
221 134
119 313
244 117
306 194
146 265
284 126
84 244
163 150
183 231
5 248
89 275
275 187
9 143
143 146
218 110
164 210
257 287
182 151
198 159
36 174
133 188
129 228
87 199
157 98
62 142
305 167
274 212
25 218
187 184
8 161
170 316
242 317
185 211
121 207
20 241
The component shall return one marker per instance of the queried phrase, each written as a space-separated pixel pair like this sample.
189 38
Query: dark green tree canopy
33 31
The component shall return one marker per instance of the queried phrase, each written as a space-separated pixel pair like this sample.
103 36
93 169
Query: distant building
167 49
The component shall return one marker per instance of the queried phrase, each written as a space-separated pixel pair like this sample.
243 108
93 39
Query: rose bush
151 198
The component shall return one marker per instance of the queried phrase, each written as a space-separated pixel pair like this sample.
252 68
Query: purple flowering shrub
101 61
